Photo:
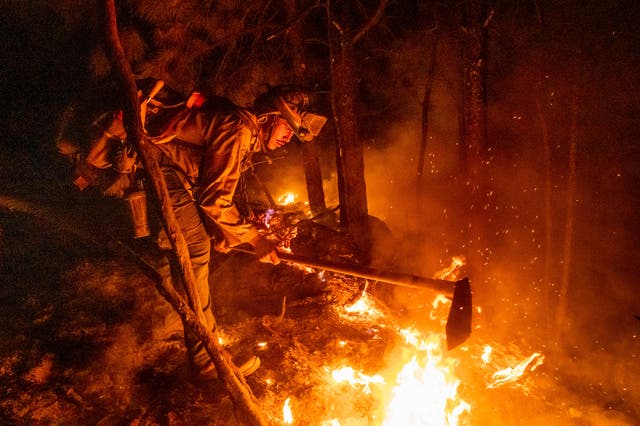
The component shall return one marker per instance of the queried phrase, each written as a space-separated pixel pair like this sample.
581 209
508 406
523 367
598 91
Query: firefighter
203 151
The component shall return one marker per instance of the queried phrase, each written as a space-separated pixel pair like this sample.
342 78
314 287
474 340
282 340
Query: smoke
516 285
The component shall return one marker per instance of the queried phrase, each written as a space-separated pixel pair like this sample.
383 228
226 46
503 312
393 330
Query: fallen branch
192 314
233 381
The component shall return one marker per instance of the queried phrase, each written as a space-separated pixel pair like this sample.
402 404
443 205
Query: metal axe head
458 327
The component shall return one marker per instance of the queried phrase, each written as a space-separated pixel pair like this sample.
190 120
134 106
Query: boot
209 372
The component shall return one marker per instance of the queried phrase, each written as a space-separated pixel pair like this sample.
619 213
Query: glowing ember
287 416
348 374
365 306
426 389
486 354
512 374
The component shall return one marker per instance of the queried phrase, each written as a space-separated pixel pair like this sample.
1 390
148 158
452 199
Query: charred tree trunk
350 161
312 171
193 316
313 175
426 104
352 189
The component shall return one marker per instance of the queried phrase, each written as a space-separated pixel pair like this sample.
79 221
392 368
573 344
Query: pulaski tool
458 327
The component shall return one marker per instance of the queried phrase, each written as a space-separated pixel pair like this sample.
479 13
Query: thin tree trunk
192 314
548 209
136 136
460 111
426 104
310 159
350 161
475 100
313 175
475 129
561 313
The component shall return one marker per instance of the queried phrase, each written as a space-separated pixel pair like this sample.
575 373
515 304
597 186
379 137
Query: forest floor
83 341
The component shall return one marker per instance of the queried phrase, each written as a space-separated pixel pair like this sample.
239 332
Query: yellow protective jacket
211 148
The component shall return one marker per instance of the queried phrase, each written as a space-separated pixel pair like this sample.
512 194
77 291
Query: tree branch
372 22
191 314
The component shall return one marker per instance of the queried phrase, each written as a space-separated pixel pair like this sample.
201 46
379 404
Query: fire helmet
291 104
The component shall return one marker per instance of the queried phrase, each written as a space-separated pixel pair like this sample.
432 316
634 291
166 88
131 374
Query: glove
221 246
265 250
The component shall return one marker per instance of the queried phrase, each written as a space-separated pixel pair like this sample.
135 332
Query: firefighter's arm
219 175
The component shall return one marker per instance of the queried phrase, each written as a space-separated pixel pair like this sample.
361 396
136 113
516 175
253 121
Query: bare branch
489 18
372 22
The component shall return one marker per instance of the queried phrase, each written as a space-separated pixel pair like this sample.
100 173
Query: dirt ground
83 340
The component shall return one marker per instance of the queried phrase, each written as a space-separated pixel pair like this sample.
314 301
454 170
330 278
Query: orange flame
287 198
425 386
287 416
349 375
426 389
451 272
512 374
364 307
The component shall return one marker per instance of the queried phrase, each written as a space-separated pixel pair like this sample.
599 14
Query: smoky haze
581 61
522 270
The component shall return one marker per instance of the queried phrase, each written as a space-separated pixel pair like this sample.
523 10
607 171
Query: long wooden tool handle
396 278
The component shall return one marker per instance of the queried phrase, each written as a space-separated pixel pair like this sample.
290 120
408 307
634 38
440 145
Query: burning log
314 240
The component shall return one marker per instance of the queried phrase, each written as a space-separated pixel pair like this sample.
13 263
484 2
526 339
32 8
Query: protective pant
199 245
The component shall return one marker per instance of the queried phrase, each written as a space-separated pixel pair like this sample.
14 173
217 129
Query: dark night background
545 60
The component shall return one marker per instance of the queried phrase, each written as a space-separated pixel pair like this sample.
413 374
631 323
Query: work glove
265 250
221 246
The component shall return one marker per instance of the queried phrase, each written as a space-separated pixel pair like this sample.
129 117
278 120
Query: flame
486 354
451 272
440 301
267 217
348 374
287 198
364 307
512 374
426 387
287 416
424 391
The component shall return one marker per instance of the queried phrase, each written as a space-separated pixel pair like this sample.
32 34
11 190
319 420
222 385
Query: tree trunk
193 316
548 209
475 80
350 162
460 95
311 162
561 313
426 104
475 132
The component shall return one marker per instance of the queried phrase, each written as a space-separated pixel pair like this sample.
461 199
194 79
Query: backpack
99 153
